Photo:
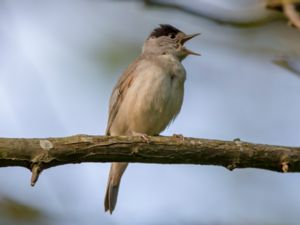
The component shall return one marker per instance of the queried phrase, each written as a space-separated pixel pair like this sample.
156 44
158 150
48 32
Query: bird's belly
150 106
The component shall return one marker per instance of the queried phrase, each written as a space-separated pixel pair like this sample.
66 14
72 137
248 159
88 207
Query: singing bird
148 95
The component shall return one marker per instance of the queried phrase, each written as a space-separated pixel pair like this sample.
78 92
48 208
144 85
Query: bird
148 95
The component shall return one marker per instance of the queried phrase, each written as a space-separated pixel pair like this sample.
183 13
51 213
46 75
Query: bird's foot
179 137
144 137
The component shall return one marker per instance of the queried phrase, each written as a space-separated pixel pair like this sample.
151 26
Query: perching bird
148 95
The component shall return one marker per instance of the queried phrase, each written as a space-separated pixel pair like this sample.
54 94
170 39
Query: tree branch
290 8
39 154
189 9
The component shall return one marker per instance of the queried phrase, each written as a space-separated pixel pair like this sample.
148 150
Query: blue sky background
59 61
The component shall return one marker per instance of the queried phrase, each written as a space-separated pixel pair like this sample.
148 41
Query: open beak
187 38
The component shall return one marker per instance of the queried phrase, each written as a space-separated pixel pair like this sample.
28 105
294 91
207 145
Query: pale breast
153 100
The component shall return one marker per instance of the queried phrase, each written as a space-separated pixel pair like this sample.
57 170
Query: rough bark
38 154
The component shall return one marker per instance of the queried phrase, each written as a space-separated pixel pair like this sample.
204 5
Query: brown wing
119 92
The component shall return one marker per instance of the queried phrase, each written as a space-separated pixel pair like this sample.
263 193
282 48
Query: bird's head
167 39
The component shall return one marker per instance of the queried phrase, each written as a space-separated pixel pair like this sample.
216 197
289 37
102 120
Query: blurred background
59 61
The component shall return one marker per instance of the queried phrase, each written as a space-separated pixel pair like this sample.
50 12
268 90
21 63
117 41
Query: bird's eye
172 36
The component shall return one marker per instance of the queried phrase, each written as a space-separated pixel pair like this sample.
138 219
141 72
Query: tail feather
111 196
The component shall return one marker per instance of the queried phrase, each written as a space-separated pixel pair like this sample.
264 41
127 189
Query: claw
179 136
145 137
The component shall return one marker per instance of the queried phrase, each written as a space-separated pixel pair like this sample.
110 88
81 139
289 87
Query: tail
114 179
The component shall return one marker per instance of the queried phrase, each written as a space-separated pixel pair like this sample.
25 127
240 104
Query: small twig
285 167
36 171
290 8
290 11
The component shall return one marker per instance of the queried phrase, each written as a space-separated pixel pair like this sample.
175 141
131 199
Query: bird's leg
145 137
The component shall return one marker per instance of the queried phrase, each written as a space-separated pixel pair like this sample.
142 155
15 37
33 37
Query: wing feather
119 92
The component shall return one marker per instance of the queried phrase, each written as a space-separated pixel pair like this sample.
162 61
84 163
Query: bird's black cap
164 30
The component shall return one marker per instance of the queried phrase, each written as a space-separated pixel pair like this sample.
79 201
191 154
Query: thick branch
39 154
